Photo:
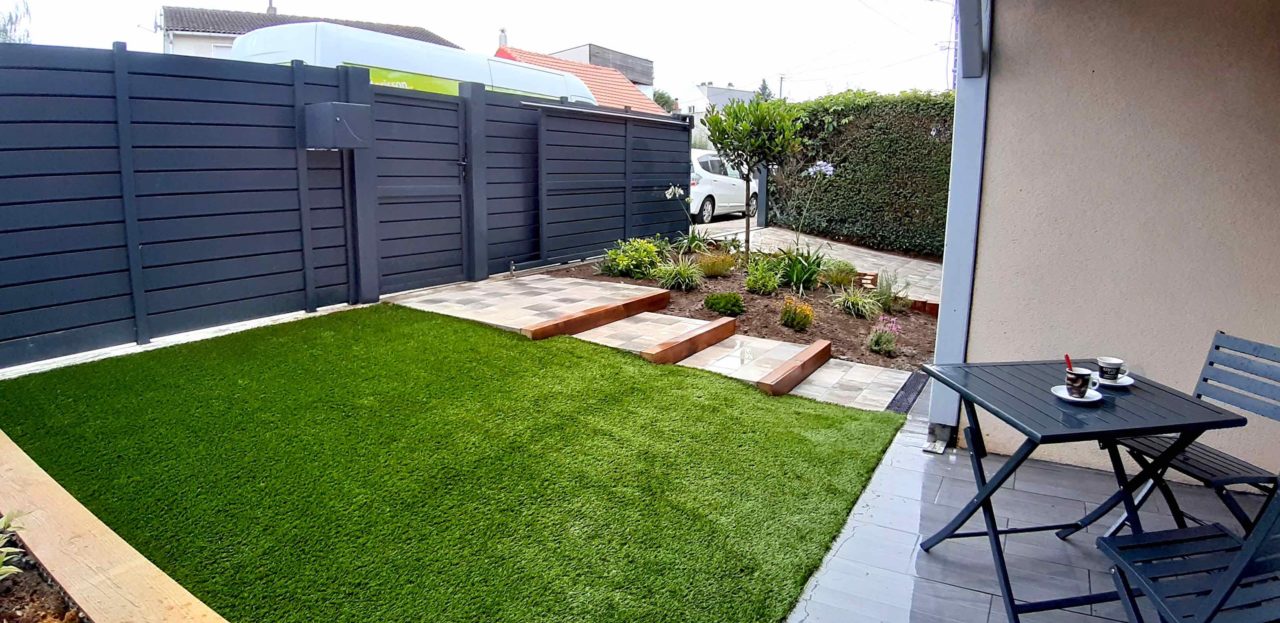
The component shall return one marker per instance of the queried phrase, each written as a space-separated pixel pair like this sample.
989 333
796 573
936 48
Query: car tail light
693 181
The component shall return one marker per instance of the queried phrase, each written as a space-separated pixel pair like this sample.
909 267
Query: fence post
762 197
304 198
475 181
132 235
626 177
365 179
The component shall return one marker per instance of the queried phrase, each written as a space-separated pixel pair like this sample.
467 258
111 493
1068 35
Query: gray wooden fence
143 195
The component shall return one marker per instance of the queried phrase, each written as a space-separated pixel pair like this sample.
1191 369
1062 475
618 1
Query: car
717 189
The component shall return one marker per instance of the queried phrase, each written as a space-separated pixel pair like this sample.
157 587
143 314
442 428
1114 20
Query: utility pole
780 77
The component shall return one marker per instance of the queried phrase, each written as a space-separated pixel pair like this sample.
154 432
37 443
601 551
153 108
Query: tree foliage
764 92
664 99
14 22
749 135
752 134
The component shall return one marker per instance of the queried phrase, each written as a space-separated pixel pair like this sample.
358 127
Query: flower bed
848 333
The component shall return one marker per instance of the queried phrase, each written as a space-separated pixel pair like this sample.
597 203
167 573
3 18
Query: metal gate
420 148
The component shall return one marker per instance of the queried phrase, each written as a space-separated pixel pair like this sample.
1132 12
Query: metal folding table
1018 394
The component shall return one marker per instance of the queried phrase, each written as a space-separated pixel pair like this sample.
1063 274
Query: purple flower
821 167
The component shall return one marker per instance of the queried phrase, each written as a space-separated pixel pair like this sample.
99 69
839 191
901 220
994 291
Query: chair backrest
1243 374
1256 565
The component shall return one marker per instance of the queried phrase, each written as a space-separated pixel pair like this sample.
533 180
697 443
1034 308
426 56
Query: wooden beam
597 316
690 342
785 377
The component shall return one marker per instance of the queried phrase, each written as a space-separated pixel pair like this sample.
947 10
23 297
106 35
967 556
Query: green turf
386 464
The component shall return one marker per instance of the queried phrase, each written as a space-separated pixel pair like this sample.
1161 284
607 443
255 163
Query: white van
404 63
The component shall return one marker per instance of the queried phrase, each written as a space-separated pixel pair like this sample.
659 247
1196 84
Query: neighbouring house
210 32
638 70
608 85
713 96
1114 191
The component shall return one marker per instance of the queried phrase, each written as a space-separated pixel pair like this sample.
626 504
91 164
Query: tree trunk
746 214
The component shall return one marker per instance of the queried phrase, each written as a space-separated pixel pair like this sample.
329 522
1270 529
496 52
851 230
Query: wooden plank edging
690 342
785 377
598 316
106 578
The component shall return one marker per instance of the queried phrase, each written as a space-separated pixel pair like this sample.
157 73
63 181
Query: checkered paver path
744 357
516 303
853 384
641 331
513 304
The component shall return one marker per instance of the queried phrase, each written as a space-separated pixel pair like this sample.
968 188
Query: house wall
1131 200
208 46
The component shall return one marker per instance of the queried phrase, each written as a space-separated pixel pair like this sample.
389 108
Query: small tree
764 92
13 23
750 135
664 99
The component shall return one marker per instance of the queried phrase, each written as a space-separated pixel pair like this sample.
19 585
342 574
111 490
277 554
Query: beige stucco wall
1131 192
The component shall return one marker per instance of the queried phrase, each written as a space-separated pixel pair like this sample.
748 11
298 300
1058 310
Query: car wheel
706 210
751 206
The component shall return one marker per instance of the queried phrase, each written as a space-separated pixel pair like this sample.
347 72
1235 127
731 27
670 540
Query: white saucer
1091 395
1123 381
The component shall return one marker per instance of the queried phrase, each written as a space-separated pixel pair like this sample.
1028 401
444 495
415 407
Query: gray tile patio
875 570
924 276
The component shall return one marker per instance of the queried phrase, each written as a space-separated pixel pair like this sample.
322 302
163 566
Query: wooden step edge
597 316
686 344
785 377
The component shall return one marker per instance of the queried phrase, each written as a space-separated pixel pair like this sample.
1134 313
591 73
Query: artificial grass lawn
385 464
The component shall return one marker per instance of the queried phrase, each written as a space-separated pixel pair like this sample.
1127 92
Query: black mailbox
339 125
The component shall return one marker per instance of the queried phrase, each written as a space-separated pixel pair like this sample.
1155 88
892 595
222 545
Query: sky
815 47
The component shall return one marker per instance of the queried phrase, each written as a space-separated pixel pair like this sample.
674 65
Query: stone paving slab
516 303
642 331
924 276
853 384
744 357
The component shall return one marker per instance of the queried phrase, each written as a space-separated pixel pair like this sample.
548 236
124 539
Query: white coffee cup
1112 368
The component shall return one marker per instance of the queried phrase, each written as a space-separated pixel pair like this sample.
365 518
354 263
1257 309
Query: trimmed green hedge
892 160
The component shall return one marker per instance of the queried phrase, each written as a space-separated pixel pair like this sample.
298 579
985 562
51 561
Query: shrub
8 553
635 258
891 296
796 314
857 301
884 337
693 242
799 268
837 274
679 274
716 264
762 278
725 303
732 246
891 158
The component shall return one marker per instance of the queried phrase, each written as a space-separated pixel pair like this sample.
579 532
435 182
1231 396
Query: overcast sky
820 47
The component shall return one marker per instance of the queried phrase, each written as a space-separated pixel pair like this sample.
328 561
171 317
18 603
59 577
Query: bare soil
32 597
847 333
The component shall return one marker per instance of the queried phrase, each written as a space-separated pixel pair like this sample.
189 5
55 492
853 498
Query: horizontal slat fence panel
604 177
420 155
511 182
209 197
144 194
